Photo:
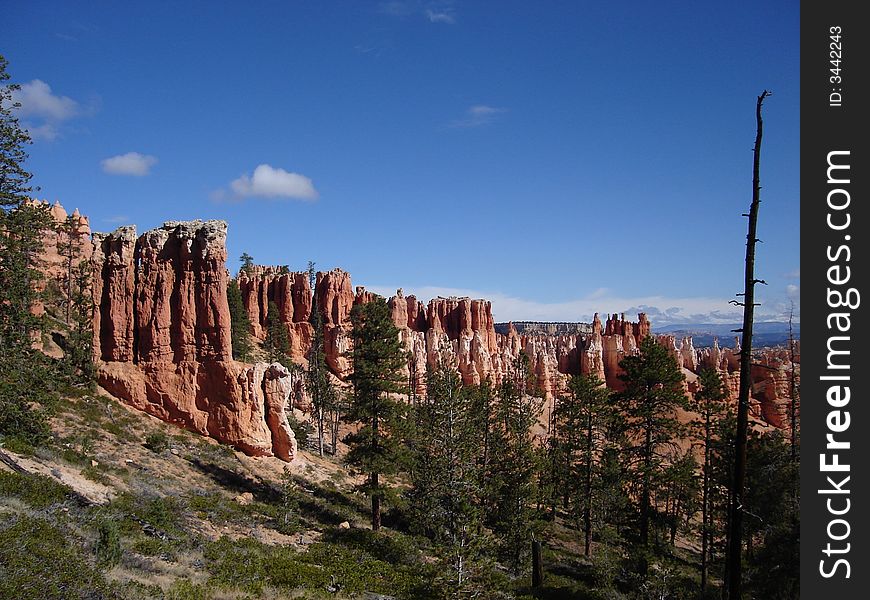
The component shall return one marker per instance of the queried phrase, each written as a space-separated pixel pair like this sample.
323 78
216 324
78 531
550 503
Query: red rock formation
113 288
178 365
60 246
291 293
335 300
162 338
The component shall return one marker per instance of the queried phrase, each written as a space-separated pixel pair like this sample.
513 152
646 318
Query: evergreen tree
678 493
23 380
247 263
653 392
240 322
79 354
69 251
377 381
289 507
324 396
511 477
446 475
14 178
772 526
277 343
580 423
710 404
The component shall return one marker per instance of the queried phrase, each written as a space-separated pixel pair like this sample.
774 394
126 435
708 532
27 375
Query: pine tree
772 526
678 492
247 263
710 404
446 475
580 423
653 392
240 322
70 250
289 508
23 380
277 343
14 178
80 352
377 379
511 477
324 396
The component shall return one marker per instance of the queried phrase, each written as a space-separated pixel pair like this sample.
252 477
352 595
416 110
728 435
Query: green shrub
36 490
152 546
108 548
39 561
184 590
157 442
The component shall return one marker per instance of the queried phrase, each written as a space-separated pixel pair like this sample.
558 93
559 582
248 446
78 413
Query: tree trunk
376 502
735 537
587 508
537 564
705 500
320 431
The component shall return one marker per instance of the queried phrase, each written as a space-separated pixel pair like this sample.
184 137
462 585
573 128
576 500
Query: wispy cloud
445 16
477 115
440 11
661 310
117 219
131 163
268 182
42 111
397 8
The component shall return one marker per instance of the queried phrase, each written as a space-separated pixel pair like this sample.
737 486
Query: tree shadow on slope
237 482
327 505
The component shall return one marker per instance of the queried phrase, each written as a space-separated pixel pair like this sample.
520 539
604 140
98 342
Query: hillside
122 505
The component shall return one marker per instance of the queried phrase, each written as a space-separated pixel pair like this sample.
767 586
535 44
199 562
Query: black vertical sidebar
835 404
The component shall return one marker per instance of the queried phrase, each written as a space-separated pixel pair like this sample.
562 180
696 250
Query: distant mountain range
769 333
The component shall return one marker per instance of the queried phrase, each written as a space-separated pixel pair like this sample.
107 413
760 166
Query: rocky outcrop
162 338
770 378
291 294
335 299
64 246
113 287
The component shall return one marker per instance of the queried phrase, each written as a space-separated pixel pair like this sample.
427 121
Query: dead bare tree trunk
735 537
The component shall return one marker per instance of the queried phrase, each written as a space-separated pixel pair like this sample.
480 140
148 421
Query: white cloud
117 219
661 310
269 182
477 115
132 163
440 16
793 291
42 111
37 100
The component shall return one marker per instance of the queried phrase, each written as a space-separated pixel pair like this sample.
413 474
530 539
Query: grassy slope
147 510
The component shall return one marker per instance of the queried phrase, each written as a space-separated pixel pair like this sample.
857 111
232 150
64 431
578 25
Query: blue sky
559 158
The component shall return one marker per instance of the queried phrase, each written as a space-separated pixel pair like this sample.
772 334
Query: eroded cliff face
770 378
162 338
66 245
461 333
291 293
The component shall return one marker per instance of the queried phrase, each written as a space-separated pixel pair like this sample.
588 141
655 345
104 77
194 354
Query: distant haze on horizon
587 158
